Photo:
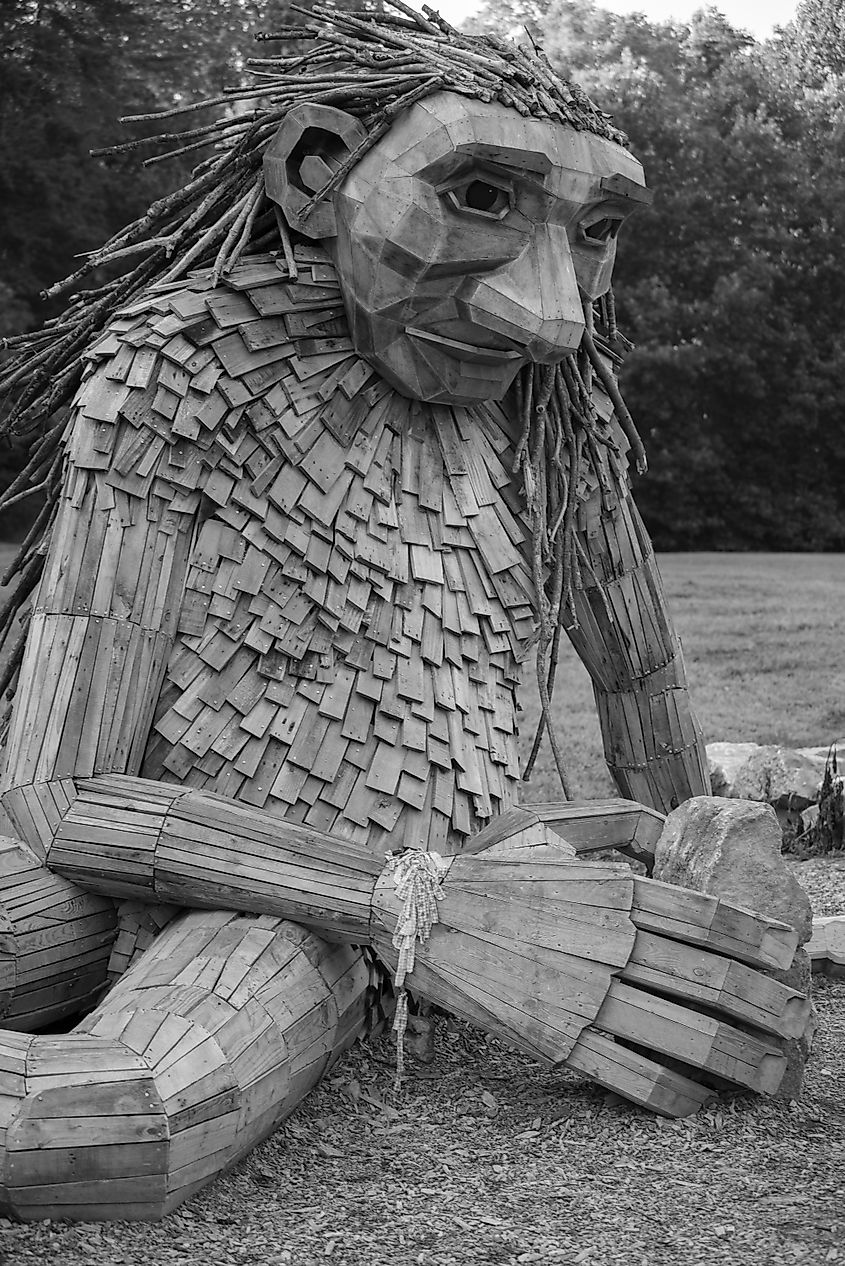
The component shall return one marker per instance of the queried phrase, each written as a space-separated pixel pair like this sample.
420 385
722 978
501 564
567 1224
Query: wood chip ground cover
485 1158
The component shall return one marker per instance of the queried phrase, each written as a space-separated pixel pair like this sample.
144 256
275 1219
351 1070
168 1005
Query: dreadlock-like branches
562 443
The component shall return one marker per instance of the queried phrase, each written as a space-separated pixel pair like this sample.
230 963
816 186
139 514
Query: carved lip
467 351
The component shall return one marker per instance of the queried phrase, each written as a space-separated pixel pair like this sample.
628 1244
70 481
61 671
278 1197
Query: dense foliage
732 286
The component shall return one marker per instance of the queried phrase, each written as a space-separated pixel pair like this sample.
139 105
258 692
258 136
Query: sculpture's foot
55 942
206 1043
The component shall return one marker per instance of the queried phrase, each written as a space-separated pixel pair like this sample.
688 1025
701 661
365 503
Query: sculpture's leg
652 740
206 1043
138 925
55 942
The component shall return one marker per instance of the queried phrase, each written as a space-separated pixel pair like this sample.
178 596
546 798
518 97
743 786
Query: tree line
732 286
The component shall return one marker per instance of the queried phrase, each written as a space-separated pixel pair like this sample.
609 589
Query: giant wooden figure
320 498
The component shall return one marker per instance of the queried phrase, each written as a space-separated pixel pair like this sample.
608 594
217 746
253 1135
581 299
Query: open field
486 1158
761 636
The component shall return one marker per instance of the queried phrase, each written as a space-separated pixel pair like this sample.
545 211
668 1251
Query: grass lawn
761 638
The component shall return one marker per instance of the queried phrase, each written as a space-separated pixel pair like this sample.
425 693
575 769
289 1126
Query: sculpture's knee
208 1041
55 942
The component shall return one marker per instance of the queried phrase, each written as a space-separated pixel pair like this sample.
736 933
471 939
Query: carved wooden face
465 238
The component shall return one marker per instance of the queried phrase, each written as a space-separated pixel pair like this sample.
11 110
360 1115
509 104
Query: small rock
725 760
784 777
732 849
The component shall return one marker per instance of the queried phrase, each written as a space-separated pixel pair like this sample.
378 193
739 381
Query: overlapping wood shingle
357 594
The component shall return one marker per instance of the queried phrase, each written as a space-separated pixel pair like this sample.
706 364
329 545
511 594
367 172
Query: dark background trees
732 286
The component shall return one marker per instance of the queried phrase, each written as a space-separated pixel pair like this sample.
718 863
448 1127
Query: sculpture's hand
573 961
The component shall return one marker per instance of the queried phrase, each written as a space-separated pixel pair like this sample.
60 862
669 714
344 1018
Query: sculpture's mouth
496 351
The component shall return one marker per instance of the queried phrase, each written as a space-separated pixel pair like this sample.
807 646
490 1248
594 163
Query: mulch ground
484 1157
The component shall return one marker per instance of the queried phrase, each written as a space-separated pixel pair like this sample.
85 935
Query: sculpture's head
465 239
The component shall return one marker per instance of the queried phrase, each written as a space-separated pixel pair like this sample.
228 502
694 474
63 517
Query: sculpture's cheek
594 269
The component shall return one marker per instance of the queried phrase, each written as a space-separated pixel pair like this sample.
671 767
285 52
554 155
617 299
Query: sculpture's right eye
599 227
482 197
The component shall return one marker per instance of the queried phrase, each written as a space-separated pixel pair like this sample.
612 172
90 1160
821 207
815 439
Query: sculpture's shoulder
198 381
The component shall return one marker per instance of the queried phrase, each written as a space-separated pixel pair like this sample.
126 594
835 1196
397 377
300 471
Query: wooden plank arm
531 947
625 639
103 624
138 838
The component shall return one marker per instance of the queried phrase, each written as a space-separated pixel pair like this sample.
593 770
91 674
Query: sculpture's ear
309 146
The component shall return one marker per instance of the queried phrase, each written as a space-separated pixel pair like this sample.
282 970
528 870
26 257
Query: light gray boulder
788 778
732 849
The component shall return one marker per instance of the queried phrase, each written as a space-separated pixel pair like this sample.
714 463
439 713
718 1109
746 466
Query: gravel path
824 879
485 1158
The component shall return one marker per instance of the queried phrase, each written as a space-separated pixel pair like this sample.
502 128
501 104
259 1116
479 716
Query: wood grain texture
199 1051
652 741
55 942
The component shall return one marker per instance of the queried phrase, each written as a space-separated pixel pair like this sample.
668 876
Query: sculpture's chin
440 370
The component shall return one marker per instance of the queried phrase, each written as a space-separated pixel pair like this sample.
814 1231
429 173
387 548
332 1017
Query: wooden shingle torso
356 598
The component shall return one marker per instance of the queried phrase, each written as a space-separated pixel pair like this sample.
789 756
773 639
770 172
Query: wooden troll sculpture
315 502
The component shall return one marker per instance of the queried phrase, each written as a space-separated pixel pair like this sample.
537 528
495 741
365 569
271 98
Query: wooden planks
652 741
137 838
697 1039
587 826
688 972
530 941
204 1045
697 919
353 610
297 603
635 1077
55 942
525 948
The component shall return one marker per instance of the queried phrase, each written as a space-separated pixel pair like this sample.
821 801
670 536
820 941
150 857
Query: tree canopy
732 286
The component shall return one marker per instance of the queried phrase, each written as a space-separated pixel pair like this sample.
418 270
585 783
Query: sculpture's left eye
481 197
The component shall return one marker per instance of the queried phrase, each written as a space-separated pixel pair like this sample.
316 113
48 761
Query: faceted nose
534 300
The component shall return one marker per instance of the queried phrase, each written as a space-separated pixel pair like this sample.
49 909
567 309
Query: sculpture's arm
102 628
624 636
535 945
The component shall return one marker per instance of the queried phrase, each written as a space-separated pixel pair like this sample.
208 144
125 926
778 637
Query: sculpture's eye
479 196
600 230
